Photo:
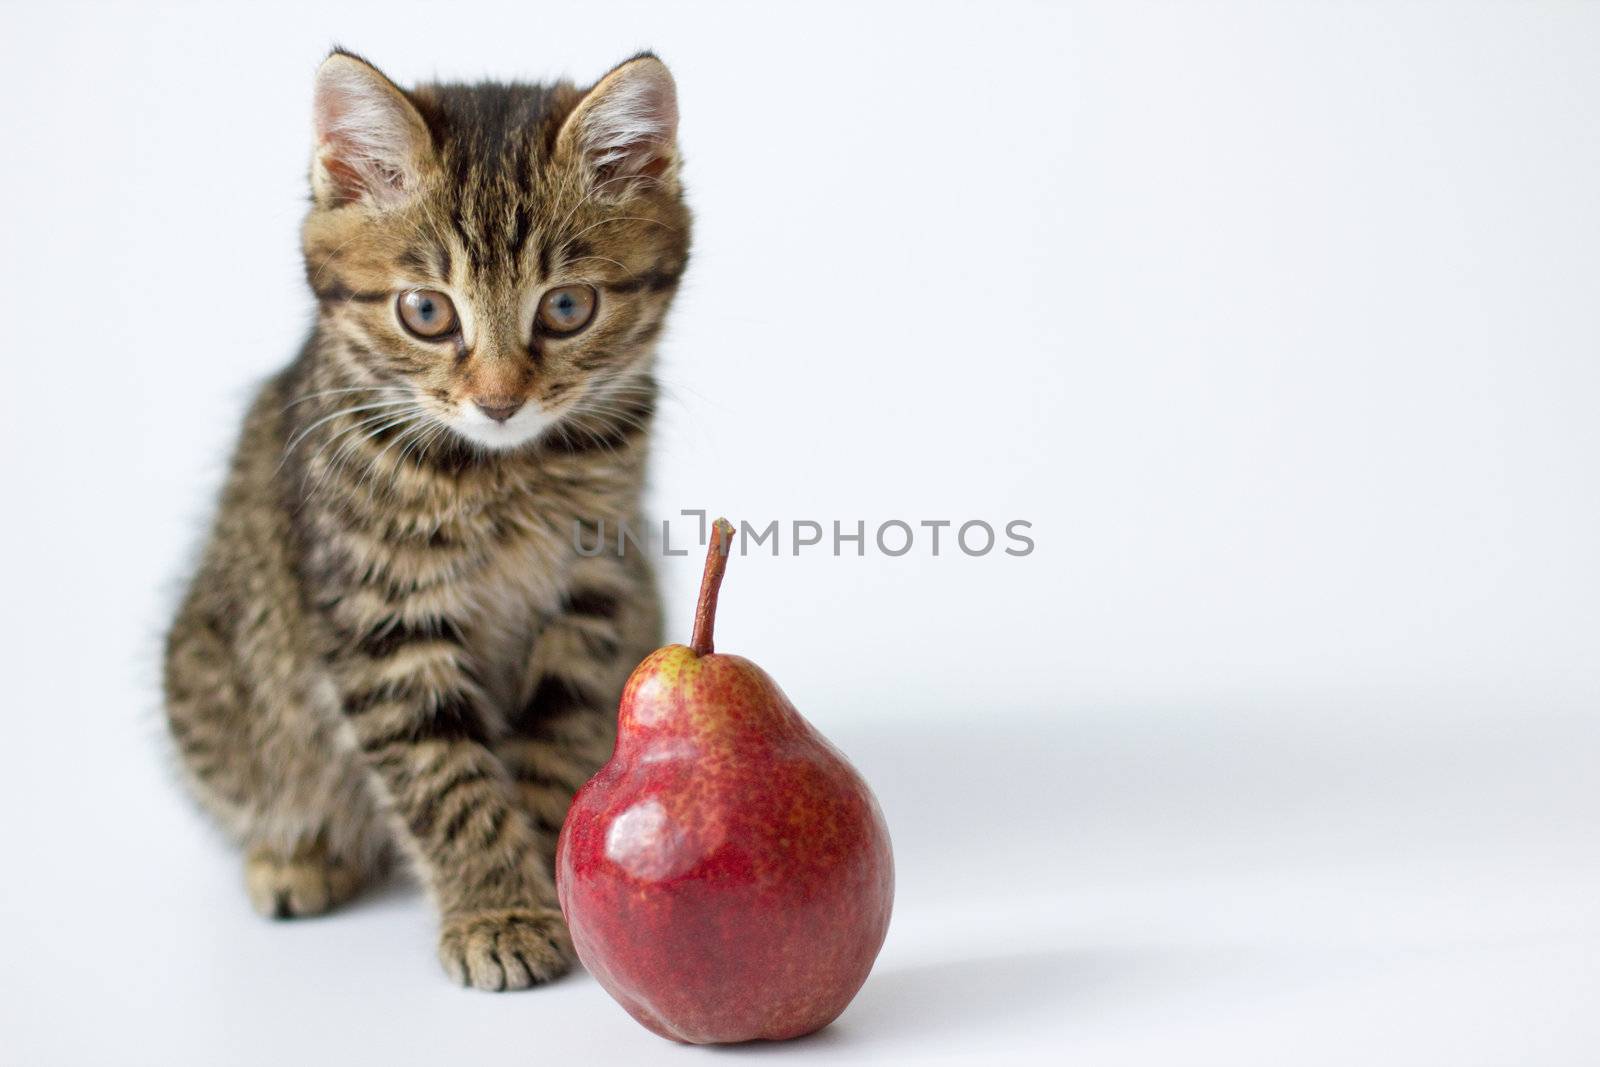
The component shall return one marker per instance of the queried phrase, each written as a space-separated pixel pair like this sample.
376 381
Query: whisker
592 194
621 218
354 434
329 258
337 414
372 465
605 259
347 450
333 392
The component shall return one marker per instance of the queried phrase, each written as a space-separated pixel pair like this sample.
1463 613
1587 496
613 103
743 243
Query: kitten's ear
627 125
369 139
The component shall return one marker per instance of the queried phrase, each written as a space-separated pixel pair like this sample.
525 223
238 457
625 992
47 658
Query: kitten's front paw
505 948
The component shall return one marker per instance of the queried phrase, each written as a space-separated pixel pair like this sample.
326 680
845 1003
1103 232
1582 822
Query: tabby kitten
391 646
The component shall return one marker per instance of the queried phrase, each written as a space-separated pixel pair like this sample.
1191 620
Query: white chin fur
519 429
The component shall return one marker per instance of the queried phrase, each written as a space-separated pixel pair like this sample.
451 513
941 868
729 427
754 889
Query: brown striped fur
391 648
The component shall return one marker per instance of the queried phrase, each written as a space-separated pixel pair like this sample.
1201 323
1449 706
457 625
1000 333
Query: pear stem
705 612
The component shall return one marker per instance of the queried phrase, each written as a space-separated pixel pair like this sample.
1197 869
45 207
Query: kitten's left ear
627 125
370 140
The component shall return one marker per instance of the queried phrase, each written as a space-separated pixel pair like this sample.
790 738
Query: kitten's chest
512 551
522 582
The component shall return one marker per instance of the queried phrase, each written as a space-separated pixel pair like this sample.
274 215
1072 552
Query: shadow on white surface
932 1001
955 995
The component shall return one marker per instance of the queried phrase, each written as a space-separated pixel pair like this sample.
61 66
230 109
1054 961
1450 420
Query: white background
1278 322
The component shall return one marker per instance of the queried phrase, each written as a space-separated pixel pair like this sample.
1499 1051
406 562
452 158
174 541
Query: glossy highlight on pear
727 876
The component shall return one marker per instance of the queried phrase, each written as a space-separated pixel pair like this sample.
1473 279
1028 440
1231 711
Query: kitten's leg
413 710
266 765
566 728
205 713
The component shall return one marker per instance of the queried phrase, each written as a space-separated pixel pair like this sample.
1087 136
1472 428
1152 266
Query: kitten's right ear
370 141
627 125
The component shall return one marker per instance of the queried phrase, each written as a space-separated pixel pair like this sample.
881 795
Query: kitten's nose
499 408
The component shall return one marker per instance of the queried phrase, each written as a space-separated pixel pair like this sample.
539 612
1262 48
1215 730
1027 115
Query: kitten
391 646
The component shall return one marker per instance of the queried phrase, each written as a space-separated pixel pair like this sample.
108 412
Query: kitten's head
500 256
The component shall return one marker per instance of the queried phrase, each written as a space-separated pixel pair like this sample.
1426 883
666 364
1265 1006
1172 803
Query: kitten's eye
427 313
567 309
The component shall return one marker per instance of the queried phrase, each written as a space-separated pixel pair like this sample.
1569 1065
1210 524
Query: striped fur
391 649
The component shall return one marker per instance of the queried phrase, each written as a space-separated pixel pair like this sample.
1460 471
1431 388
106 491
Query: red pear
727 875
